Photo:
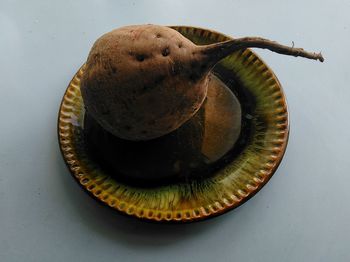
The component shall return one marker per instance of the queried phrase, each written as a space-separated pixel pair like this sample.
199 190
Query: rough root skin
142 82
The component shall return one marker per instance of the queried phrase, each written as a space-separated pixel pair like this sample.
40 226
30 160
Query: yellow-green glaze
199 199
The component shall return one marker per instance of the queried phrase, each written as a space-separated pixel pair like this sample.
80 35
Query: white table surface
302 214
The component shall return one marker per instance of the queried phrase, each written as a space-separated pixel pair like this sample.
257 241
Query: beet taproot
142 82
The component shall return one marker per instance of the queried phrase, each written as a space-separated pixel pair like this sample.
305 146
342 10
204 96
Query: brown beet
142 82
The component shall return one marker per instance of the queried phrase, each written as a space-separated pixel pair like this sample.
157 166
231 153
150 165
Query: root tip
320 58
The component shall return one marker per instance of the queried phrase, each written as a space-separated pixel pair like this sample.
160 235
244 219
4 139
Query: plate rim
204 217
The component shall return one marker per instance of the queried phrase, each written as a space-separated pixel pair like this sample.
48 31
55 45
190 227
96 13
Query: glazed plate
211 165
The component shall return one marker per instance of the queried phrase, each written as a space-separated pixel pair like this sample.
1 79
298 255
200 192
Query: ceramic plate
235 173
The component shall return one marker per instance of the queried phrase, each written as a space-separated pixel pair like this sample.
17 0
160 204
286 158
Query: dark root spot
140 58
166 52
158 35
180 45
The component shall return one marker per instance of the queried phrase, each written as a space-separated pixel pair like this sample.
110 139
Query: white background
302 214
